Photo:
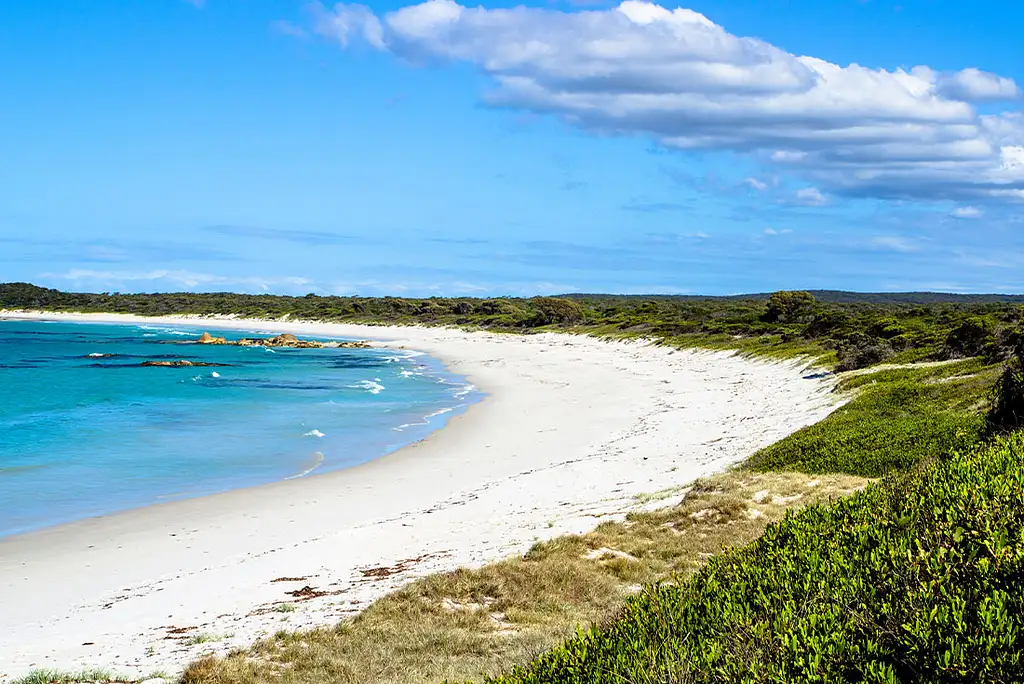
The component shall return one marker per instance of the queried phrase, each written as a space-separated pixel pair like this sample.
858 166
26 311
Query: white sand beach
572 430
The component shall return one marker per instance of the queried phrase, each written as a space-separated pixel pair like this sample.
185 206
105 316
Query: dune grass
468 624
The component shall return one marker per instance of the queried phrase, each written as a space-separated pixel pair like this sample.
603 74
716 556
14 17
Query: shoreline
421 426
571 430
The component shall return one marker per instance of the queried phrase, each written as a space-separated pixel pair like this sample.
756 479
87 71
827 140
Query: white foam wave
438 413
318 459
214 374
314 433
372 386
97 355
169 331
425 421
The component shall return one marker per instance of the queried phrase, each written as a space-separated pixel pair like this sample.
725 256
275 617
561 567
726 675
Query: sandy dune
572 429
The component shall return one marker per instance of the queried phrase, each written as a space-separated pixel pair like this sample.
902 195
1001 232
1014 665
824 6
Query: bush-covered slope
897 418
919 578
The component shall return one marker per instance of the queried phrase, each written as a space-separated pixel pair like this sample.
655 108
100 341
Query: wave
318 459
214 374
372 386
169 331
314 433
425 421
438 413
460 390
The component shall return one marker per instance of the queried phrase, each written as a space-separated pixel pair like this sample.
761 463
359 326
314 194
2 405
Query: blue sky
430 148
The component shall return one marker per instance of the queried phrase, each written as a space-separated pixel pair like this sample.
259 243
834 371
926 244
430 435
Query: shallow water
85 430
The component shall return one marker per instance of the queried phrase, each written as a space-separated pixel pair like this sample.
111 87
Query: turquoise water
85 430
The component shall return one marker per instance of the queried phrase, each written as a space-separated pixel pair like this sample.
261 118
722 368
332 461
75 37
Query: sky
420 149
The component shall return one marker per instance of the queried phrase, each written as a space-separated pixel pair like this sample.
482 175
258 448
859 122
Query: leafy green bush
559 311
790 306
917 579
969 337
859 350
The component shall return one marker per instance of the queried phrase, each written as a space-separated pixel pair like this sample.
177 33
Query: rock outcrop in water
283 340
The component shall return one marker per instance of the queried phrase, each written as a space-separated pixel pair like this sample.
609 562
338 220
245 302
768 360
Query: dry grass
467 624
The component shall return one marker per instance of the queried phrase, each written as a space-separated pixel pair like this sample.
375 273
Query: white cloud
287 28
895 243
775 231
756 184
810 197
163 278
966 212
346 22
678 77
974 85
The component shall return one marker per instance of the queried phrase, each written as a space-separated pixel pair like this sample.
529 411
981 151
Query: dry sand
571 430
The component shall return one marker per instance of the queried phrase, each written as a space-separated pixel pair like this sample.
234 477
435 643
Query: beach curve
572 429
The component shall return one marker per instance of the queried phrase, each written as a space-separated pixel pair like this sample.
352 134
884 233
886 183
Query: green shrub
917 579
790 306
552 310
970 337
860 351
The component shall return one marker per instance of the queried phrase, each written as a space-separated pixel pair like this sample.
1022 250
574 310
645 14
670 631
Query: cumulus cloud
966 212
974 85
810 197
674 75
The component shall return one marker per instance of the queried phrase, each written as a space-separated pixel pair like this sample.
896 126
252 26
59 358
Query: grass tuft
69 677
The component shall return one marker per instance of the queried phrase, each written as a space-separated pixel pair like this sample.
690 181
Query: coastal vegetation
847 330
884 543
919 578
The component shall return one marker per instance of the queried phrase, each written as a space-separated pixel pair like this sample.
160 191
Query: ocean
85 430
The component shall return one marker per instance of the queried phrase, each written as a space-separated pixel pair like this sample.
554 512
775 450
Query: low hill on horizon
28 295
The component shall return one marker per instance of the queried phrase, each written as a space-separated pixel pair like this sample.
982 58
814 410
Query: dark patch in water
355 361
276 384
817 376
